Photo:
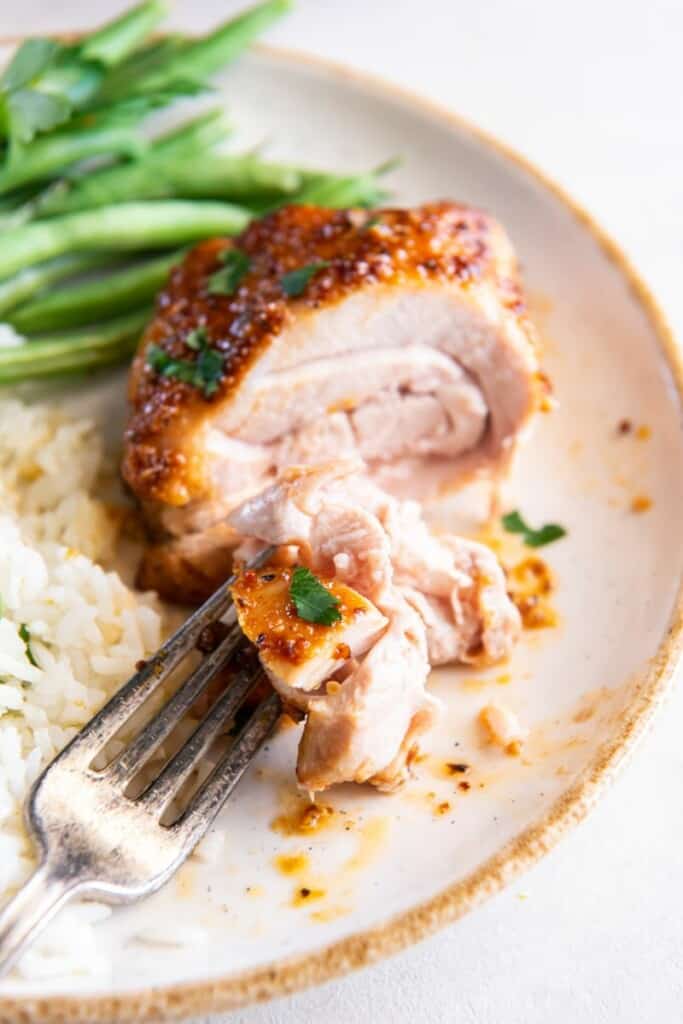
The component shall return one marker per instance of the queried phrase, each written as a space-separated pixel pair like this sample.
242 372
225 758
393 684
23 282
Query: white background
592 92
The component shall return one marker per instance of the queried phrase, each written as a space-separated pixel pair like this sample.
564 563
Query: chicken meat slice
444 599
348 527
396 338
367 728
457 586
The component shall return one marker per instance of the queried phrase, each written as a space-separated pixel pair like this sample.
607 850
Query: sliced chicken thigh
396 338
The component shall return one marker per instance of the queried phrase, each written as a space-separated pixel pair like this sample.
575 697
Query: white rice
87 630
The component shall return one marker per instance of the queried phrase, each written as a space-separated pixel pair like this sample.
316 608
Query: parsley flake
514 523
197 339
31 111
32 57
294 283
227 280
312 600
26 637
204 373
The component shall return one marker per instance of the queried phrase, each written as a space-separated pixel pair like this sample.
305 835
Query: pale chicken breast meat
397 338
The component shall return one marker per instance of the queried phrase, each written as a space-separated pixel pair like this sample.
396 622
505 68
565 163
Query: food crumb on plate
304 819
640 503
503 728
305 894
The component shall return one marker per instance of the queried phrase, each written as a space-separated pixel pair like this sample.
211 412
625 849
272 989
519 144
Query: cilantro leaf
227 280
26 637
294 283
514 523
166 366
312 600
204 373
209 371
31 112
197 339
32 57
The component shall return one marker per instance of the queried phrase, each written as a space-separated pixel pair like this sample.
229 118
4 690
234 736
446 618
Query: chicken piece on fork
300 655
443 599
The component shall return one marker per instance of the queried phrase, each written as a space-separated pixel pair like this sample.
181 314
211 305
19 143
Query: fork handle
25 916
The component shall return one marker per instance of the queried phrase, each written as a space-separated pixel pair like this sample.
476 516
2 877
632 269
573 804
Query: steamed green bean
115 41
89 301
139 179
52 153
201 58
73 352
123 226
33 280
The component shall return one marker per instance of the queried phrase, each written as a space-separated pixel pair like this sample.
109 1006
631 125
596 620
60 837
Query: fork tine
211 796
162 724
139 687
159 793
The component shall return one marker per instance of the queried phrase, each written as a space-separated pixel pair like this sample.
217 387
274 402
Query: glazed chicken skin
401 342
428 600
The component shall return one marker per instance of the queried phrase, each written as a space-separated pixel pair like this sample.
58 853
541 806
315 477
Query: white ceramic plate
387 870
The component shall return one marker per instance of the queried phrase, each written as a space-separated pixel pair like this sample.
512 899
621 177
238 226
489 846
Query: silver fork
94 839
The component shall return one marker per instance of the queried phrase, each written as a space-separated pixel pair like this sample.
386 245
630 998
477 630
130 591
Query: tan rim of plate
283 977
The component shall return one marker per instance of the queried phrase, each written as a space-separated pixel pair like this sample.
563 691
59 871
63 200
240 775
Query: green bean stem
122 226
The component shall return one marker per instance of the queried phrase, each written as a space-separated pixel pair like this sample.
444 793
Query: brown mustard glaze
530 585
441 241
269 619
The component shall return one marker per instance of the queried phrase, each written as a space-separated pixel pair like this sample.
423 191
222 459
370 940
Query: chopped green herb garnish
197 339
312 600
26 637
514 523
203 374
25 110
226 281
373 222
294 283
31 111
32 57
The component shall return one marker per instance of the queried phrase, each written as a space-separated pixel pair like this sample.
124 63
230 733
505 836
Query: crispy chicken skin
408 349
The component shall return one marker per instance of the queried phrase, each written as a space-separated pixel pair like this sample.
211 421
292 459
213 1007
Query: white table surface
591 91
